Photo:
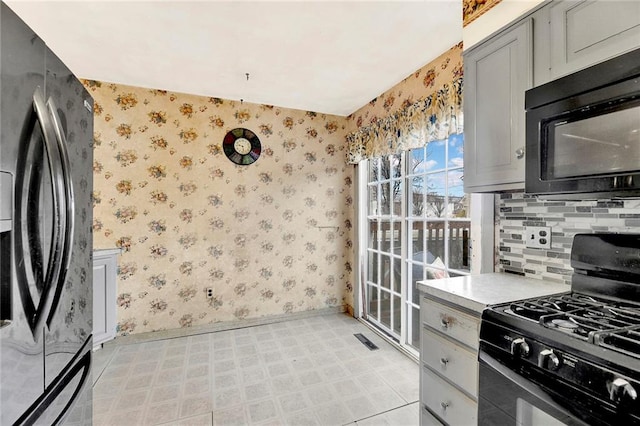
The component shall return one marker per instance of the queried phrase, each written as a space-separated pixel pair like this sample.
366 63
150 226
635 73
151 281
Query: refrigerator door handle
51 285
67 214
37 313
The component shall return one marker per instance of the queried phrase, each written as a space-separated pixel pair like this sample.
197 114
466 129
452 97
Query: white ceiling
324 56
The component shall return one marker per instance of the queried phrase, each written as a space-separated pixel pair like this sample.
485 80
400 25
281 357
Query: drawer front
455 363
428 419
450 322
450 404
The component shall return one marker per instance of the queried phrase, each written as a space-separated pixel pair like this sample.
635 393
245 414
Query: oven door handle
526 385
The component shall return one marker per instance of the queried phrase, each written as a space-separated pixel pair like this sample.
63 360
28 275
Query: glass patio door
417 217
383 290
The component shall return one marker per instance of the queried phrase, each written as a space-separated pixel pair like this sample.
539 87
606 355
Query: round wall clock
241 146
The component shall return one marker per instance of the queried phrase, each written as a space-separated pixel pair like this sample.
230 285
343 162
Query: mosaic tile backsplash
514 211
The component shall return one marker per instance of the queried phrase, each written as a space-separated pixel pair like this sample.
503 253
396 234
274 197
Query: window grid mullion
395 230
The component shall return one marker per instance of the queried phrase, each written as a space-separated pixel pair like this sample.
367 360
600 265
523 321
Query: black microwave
583 133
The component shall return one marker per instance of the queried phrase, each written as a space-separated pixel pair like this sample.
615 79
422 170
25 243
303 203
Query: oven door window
530 415
603 140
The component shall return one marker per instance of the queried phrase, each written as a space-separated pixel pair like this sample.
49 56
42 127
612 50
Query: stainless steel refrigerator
46 133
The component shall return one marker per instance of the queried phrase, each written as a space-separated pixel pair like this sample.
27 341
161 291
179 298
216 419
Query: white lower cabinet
454 363
428 419
455 325
446 401
105 268
448 365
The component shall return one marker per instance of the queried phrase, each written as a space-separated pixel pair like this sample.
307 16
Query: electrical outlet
209 292
537 236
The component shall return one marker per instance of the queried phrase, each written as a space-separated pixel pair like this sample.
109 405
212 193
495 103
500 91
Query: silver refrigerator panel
46 154
21 73
69 324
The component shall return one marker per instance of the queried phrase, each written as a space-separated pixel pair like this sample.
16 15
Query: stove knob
547 359
620 391
519 347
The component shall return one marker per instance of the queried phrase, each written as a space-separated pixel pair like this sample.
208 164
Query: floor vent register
368 343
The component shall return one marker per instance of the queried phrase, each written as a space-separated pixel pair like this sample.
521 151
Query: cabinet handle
445 405
444 323
520 153
444 361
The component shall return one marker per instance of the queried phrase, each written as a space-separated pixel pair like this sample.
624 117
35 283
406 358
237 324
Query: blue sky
436 154
436 160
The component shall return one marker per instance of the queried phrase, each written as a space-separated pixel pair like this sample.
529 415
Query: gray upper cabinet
497 73
554 39
584 33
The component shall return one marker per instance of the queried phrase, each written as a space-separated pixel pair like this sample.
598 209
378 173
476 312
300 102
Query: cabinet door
497 73
587 32
104 299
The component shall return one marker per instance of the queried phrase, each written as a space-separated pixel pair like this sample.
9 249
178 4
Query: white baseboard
221 326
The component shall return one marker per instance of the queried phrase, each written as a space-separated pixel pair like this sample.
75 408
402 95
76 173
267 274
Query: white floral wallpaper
423 107
473 9
270 238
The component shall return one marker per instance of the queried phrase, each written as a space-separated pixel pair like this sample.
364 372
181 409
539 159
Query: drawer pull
444 361
445 405
444 323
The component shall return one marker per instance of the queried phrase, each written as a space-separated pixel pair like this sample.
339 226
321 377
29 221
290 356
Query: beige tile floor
310 371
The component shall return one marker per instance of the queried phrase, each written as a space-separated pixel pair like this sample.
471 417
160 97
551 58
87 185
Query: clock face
242 146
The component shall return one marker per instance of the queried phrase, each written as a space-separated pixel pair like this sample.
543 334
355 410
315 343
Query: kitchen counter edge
476 292
106 252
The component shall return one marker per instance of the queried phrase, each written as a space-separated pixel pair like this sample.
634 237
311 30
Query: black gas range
571 358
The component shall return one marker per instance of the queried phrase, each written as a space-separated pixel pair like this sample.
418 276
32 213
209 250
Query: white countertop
475 292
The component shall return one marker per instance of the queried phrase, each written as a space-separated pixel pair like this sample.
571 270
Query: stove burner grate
626 341
608 323
535 309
